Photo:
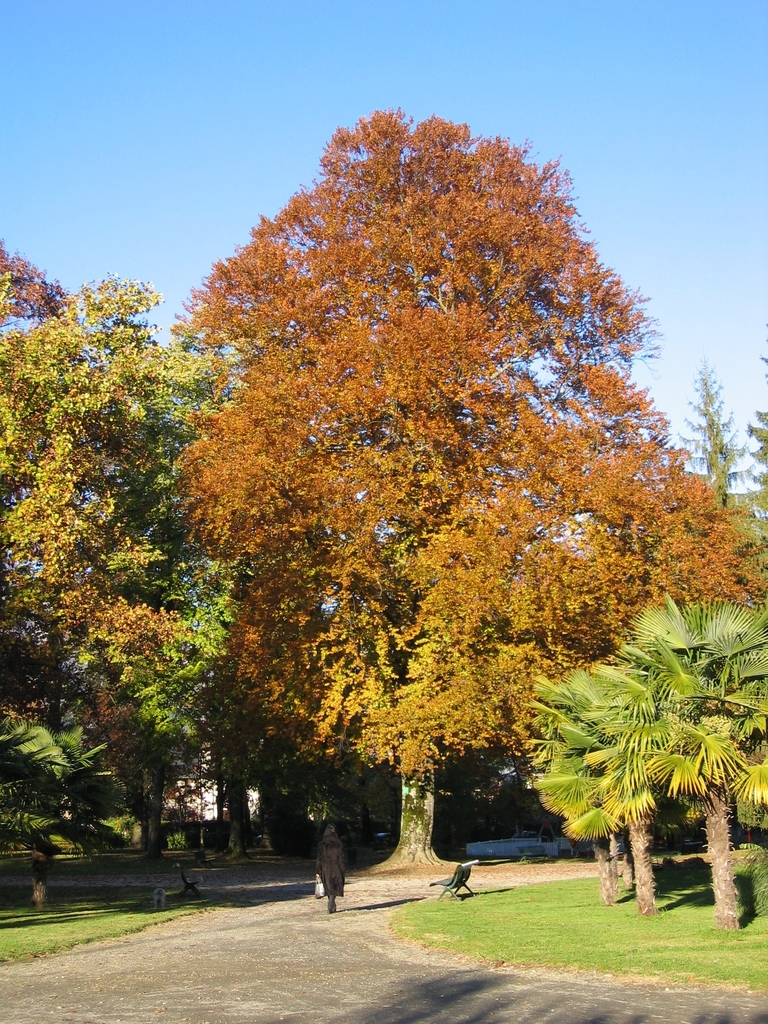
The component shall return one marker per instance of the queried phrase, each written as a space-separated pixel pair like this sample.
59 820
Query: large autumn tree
434 473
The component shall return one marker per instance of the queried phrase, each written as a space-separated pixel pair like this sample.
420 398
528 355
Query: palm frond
577 737
754 664
600 757
675 674
637 805
665 624
752 784
726 628
716 755
679 773
567 794
596 823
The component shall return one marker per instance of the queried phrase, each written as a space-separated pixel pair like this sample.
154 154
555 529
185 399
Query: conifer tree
714 451
760 434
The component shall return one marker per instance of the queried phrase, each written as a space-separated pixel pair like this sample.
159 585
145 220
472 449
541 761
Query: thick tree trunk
641 839
235 790
40 864
718 813
628 870
154 851
416 821
608 878
220 795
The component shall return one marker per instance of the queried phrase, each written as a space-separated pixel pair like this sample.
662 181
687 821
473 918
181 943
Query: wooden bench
457 881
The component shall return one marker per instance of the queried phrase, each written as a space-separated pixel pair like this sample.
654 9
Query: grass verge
75 916
111 862
564 925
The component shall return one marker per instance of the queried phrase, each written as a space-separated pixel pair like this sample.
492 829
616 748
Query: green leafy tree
77 385
108 607
54 796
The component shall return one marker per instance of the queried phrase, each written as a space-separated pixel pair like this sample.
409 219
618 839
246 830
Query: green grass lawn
76 915
113 862
82 914
563 924
129 862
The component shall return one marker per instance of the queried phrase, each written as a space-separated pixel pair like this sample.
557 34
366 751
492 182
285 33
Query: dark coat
331 864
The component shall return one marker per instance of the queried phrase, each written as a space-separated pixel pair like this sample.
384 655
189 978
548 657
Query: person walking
331 864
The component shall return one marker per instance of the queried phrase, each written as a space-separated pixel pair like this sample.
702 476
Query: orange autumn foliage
435 474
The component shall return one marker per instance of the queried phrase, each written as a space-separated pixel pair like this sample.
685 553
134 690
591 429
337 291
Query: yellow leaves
114 304
752 784
595 823
569 794
680 774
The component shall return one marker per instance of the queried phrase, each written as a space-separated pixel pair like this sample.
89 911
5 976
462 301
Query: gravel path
282 958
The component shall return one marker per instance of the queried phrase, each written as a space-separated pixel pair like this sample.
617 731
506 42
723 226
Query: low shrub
758 874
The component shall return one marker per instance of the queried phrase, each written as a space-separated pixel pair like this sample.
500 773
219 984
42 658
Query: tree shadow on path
504 998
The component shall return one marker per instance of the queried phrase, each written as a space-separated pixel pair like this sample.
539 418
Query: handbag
319 888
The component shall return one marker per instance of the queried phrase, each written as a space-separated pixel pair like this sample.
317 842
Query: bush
177 841
122 829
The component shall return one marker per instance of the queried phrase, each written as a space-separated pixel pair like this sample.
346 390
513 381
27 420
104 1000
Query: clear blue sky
146 138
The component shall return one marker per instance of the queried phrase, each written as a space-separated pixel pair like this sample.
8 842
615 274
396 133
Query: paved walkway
287 960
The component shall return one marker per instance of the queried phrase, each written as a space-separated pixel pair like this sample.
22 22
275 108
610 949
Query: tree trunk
144 816
154 851
247 827
366 834
608 878
416 821
220 795
641 839
628 870
718 813
613 861
40 864
235 789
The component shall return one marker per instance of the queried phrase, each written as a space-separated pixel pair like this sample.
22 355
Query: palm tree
597 731
630 723
706 666
54 796
574 786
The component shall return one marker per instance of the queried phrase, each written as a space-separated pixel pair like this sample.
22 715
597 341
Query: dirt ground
280 957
